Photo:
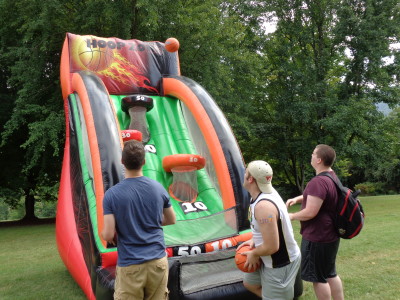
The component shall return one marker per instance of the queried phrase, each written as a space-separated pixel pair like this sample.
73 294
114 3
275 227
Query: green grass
31 268
369 264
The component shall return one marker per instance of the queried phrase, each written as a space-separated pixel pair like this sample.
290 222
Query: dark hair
133 155
326 153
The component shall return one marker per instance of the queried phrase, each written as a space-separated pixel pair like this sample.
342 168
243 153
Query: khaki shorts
147 281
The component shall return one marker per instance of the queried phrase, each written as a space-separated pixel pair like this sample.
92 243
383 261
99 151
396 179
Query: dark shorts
318 260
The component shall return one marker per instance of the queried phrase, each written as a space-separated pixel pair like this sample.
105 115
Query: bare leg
322 290
255 289
336 286
333 288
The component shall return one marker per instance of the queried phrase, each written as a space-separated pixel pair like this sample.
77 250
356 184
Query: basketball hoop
183 167
137 106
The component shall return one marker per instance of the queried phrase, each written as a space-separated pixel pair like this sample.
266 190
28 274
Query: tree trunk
29 207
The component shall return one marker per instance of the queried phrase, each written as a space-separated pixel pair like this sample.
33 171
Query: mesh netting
200 230
201 145
184 187
138 121
209 270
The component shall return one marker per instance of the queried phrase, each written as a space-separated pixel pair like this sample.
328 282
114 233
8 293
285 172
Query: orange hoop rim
180 160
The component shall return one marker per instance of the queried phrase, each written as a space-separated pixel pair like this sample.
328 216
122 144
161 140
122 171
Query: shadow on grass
28 222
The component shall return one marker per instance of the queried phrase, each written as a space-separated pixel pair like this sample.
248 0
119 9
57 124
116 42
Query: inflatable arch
180 118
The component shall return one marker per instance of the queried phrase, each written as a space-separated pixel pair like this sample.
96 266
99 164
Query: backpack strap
337 182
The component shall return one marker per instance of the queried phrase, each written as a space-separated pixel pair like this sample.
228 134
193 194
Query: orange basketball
172 45
240 259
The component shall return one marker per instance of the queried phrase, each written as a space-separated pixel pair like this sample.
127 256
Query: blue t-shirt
137 205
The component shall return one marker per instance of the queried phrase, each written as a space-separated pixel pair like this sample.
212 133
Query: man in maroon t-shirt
320 242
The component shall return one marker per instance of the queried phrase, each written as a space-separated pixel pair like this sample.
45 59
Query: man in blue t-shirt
137 208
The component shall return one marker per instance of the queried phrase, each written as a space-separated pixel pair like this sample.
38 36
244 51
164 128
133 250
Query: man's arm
109 229
294 201
310 211
169 217
266 215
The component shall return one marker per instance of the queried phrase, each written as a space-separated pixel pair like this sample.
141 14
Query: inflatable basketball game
115 90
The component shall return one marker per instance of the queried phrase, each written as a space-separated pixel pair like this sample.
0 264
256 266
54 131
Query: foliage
31 37
43 210
8 212
326 72
316 79
389 168
370 188
34 130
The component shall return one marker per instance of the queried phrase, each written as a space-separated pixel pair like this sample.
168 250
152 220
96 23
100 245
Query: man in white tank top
273 244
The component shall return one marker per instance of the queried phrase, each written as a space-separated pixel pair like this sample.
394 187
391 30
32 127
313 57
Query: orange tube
68 242
228 242
65 75
176 160
176 88
79 86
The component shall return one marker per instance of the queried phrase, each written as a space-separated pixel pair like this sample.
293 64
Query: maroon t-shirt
321 228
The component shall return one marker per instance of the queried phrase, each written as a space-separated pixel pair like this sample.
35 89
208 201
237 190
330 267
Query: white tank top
288 249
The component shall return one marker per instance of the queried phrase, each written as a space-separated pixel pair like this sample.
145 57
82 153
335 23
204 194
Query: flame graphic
123 71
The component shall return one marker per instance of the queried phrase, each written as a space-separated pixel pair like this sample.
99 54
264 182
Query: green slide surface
196 222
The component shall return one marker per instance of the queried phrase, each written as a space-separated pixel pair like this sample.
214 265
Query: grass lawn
31 267
369 264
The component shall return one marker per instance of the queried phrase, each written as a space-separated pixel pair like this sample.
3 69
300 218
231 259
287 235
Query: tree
318 93
31 38
32 134
388 171
282 92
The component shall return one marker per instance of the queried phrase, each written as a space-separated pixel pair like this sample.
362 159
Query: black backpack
350 214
